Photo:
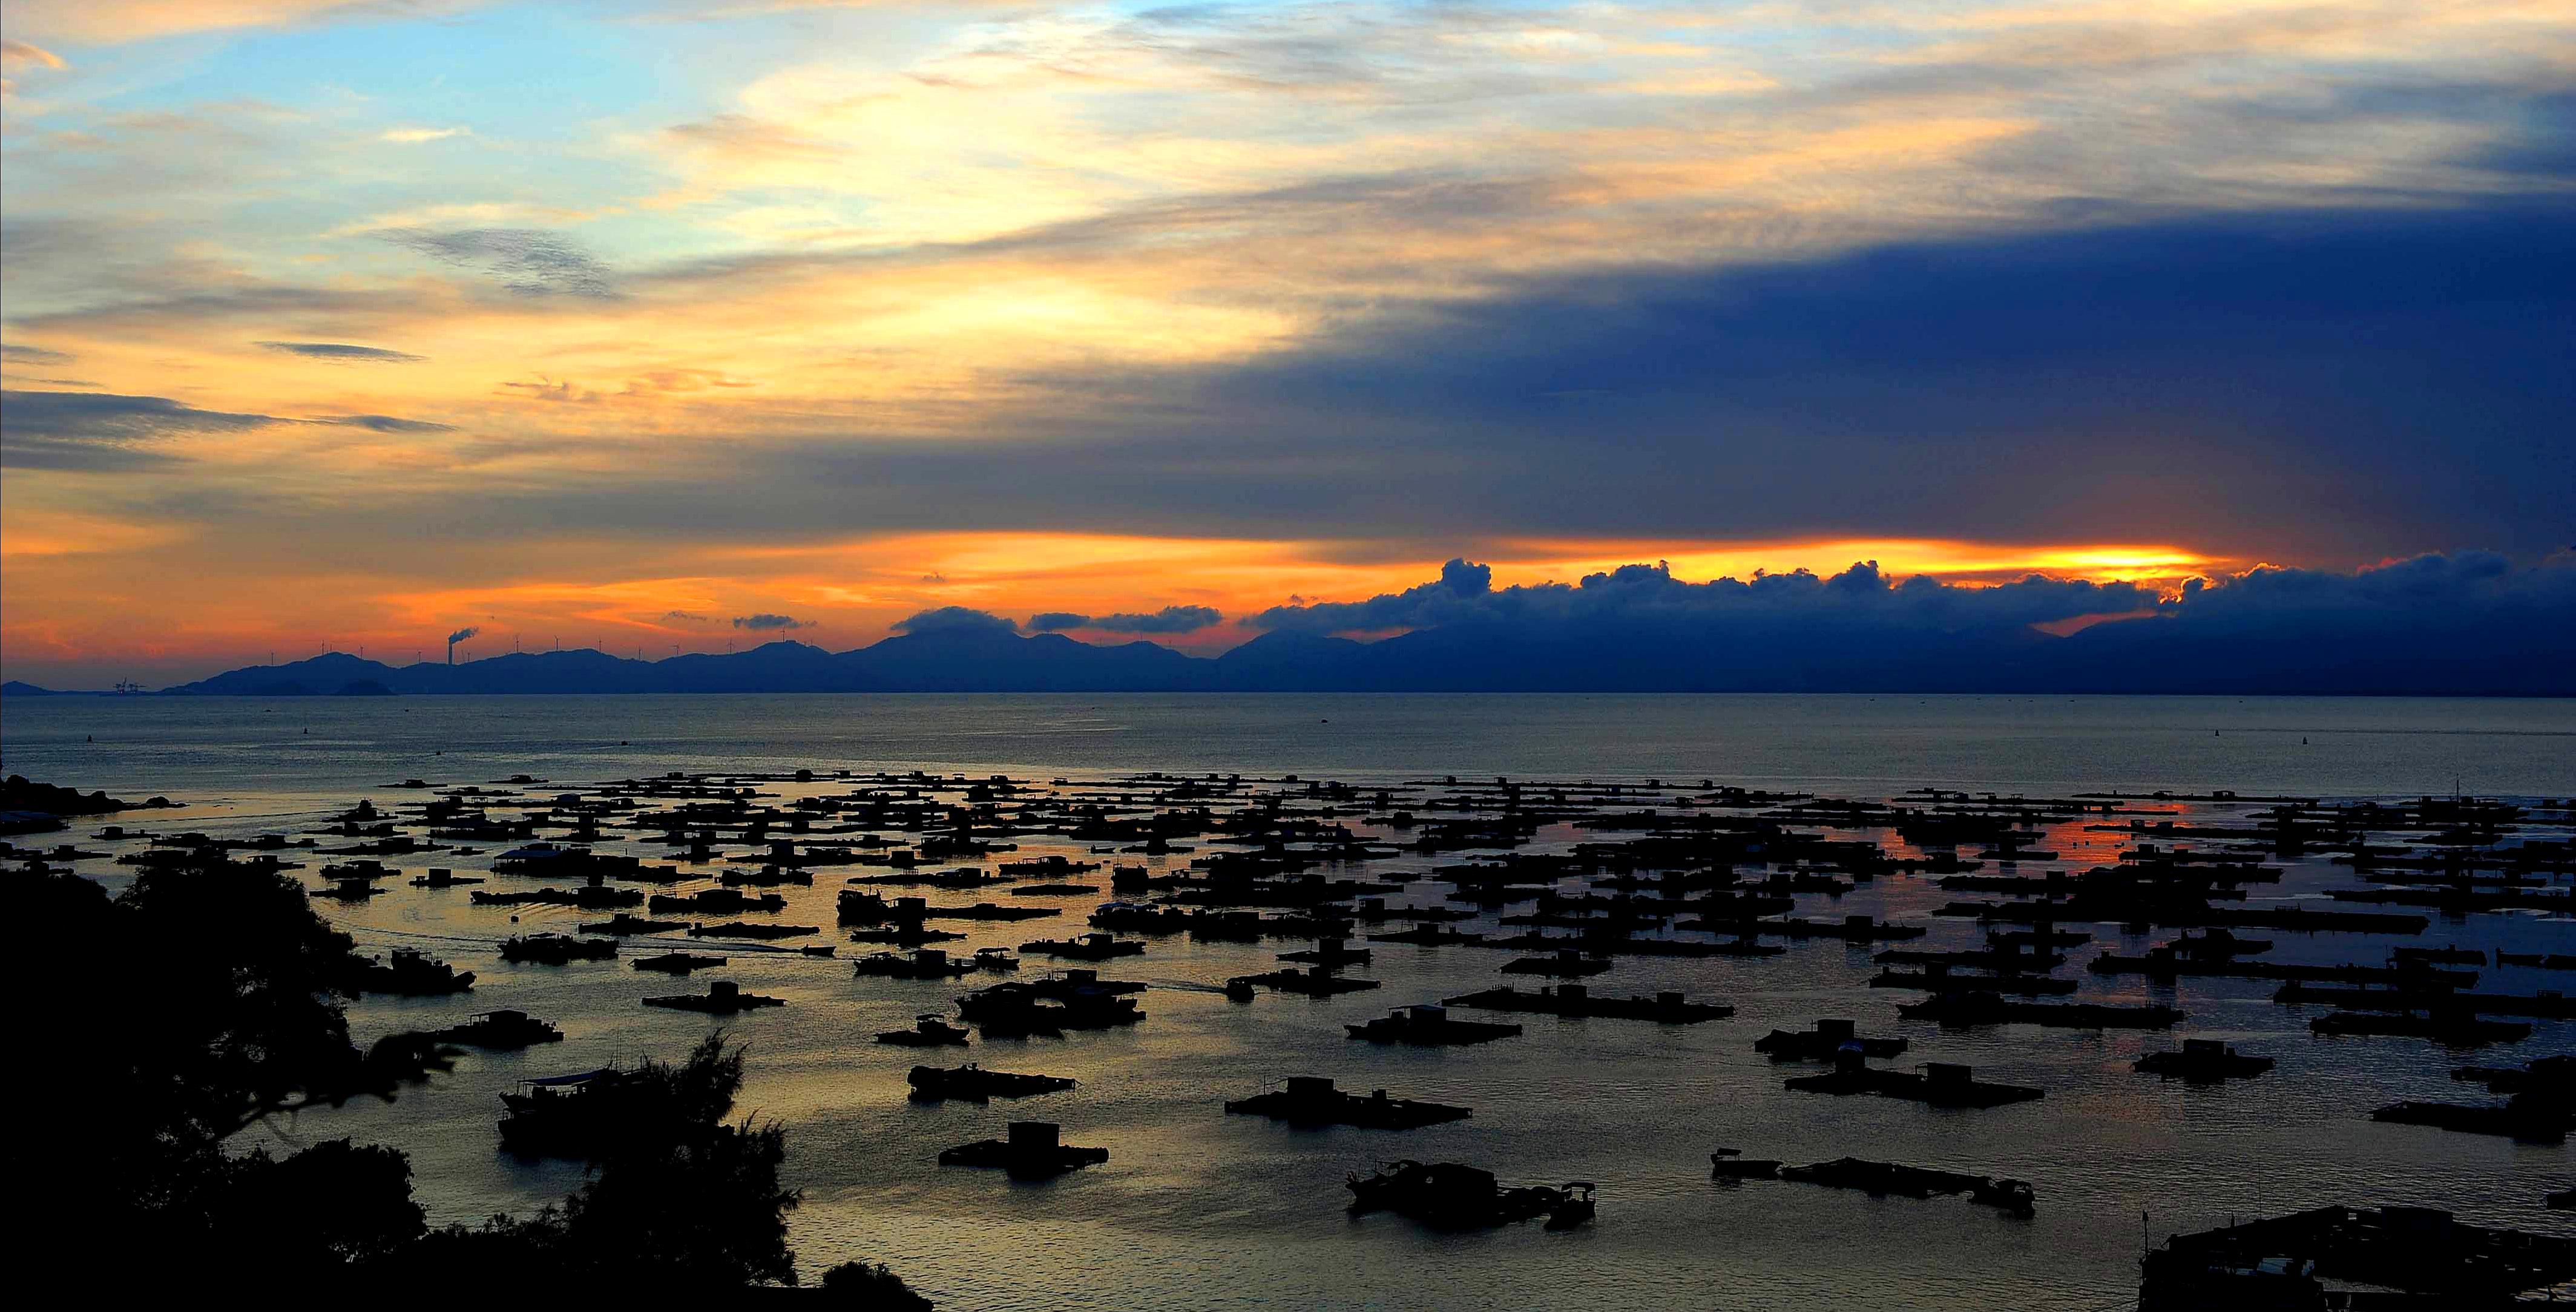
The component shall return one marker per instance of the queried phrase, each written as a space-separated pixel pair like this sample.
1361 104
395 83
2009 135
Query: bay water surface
1198 1209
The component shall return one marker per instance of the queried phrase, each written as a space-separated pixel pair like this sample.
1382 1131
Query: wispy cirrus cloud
386 424
528 261
14 51
93 431
340 351
100 431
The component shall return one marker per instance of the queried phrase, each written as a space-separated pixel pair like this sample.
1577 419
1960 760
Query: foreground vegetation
207 999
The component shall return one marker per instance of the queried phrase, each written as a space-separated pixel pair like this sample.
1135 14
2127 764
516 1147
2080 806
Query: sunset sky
654 326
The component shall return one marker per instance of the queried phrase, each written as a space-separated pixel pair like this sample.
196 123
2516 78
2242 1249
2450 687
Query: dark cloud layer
1168 620
2364 377
2323 386
2435 598
2326 385
765 622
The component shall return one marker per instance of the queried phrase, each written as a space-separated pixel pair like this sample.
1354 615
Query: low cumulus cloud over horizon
2473 619
1168 620
2435 596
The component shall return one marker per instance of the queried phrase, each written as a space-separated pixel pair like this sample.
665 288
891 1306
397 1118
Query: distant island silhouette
2146 656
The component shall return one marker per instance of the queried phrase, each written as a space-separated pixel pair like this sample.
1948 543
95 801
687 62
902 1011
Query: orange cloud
102 21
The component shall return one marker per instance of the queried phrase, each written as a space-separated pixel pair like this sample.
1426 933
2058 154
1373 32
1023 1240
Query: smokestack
454 638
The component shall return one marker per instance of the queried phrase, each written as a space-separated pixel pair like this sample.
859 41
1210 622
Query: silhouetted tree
317 1211
199 1001
857 1284
705 1210
680 1199
208 996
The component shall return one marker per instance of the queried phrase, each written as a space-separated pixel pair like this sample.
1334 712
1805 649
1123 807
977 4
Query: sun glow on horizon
1951 561
851 592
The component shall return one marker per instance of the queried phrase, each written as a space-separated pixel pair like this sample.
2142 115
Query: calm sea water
1197 1209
